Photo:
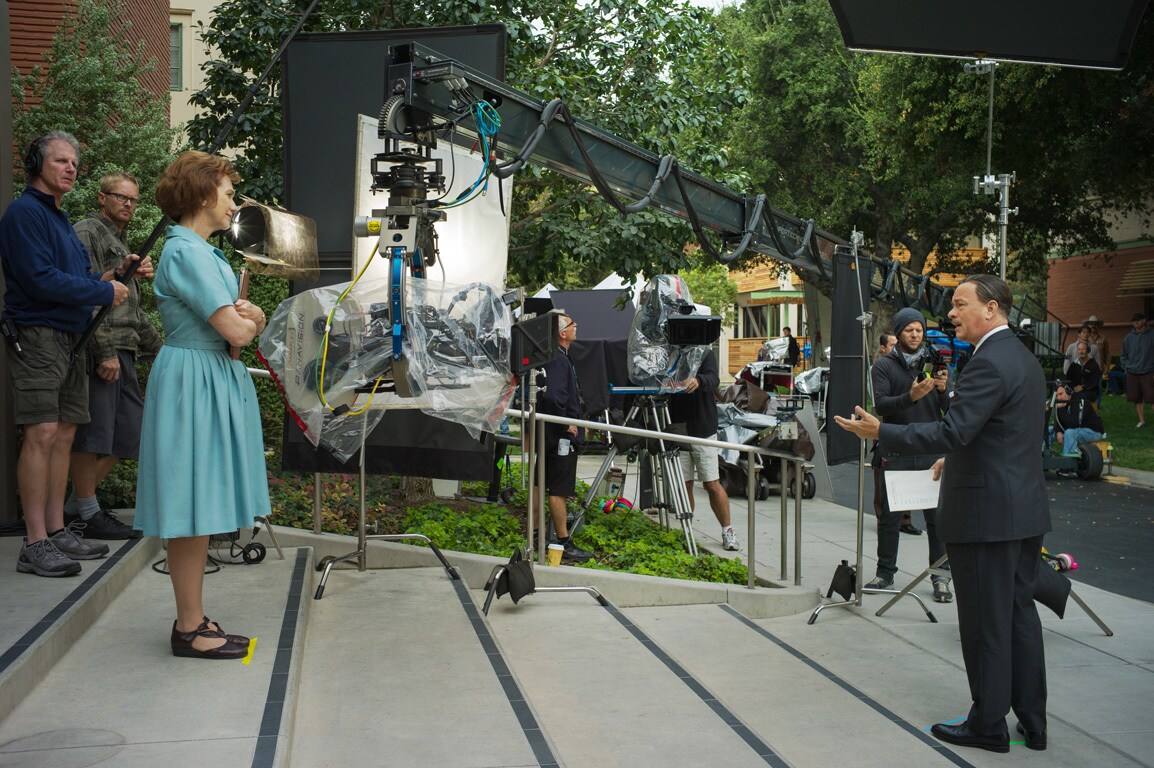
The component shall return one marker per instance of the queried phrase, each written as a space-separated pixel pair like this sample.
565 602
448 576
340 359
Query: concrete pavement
396 666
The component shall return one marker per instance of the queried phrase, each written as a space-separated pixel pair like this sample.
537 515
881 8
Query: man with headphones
48 301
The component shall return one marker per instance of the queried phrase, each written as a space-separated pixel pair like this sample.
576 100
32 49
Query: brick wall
1081 286
34 22
150 24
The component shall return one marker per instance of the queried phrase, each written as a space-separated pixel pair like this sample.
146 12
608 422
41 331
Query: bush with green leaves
485 529
621 541
627 540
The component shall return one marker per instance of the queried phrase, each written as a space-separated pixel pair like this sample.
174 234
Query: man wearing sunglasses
114 398
562 443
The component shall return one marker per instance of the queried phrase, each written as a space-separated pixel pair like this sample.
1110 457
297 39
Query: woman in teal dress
202 468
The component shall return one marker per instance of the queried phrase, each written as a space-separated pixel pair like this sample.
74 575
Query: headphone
34 158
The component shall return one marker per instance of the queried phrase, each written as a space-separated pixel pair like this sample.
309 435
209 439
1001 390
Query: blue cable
488 123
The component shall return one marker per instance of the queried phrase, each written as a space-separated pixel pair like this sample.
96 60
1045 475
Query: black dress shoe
1034 739
961 735
911 529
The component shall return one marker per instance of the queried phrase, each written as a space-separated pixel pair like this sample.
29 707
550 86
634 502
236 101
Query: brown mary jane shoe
182 644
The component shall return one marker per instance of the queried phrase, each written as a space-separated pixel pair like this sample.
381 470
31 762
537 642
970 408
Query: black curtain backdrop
598 354
847 357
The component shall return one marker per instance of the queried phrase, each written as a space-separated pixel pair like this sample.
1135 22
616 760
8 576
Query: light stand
999 185
991 184
360 554
865 319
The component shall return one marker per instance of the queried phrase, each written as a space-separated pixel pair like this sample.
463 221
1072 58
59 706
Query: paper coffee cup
554 554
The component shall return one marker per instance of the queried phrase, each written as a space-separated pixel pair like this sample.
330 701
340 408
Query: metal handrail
751 482
750 491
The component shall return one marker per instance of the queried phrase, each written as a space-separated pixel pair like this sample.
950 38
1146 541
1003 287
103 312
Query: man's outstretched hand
863 424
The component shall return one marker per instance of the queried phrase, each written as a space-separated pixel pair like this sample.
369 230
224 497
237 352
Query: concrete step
606 698
397 667
43 617
401 672
118 695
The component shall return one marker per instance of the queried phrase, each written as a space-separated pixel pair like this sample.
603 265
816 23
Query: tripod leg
933 570
1101 624
657 487
675 479
680 497
596 481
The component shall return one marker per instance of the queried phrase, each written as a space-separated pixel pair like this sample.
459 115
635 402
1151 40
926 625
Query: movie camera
668 338
938 357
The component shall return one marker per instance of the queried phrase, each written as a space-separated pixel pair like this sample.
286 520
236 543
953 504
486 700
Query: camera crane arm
433 89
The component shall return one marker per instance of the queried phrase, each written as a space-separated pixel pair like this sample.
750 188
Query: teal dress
202 468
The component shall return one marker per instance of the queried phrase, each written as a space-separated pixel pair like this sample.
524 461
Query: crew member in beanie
906 391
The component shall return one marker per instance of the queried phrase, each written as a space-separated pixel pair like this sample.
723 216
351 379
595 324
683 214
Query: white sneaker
729 540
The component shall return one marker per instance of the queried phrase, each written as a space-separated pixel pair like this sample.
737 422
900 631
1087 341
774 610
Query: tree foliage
629 66
710 285
89 86
890 144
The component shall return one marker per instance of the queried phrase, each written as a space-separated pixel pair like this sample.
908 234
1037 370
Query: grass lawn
1133 448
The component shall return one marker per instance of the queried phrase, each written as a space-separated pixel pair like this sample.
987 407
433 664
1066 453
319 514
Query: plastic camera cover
454 358
653 361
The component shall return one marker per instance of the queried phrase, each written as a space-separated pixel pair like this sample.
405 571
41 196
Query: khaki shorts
45 388
701 458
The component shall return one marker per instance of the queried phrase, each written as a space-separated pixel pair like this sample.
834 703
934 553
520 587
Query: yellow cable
328 327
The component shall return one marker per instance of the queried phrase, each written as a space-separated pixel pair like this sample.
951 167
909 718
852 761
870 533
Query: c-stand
865 319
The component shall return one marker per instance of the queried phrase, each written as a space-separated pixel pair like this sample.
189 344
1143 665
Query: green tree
625 65
710 284
89 85
890 144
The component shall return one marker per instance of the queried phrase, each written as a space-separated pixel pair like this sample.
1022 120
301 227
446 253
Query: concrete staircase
396 666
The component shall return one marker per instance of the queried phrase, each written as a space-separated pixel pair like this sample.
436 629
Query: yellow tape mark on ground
251 648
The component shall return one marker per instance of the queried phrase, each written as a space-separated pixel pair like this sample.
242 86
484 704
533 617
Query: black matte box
692 330
534 342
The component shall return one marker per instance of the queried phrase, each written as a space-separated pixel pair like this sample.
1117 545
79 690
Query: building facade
33 24
187 56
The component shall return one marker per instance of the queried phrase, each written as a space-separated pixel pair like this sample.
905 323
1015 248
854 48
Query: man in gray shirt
1138 363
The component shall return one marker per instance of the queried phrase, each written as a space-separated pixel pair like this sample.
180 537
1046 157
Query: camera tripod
670 495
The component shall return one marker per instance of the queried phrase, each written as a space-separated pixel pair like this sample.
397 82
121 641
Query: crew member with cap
904 393
1138 363
886 342
559 452
1099 340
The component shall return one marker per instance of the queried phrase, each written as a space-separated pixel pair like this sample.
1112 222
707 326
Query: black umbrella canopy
1069 33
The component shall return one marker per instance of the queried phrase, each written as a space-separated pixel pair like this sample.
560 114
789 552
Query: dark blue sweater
560 397
46 267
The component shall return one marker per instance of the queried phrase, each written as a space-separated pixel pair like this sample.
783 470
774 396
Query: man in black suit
992 514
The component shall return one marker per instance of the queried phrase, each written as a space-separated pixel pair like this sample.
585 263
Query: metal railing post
751 528
751 481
